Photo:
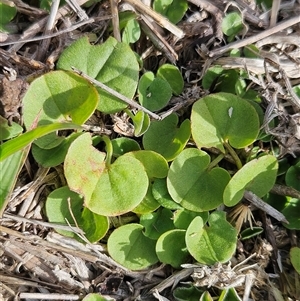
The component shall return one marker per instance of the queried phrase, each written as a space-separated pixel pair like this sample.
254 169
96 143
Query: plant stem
109 150
215 161
234 155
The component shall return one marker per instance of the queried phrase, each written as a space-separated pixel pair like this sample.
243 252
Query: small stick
158 18
253 39
115 19
55 34
116 94
259 203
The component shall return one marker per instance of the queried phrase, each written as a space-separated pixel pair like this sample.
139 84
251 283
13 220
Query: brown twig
253 39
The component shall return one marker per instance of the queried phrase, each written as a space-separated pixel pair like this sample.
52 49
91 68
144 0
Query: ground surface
38 263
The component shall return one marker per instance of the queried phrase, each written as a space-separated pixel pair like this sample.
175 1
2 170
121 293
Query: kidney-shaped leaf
120 187
223 117
172 75
213 243
295 258
155 164
171 248
128 246
165 138
258 176
59 96
112 63
154 92
58 211
108 190
83 166
192 185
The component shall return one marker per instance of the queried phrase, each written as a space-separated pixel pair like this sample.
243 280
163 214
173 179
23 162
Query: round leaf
174 10
292 176
295 258
131 32
258 176
155 164
154 93
112 63
172 75
291 213
213 243
54 156
223 117
57 209
161 194
232 24
165 138
128 246
193 186
183 218
171 249
148 204
8 12
123 145
83 168
157 223
120 187
50 101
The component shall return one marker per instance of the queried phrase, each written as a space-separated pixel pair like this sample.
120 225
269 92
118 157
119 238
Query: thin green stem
233 155
109 150
215 161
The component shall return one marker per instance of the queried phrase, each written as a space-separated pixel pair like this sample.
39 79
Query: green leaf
141 122
154 92
124 145
232 24
117 191
9 131
155 164
18 143
171 249
291 213
295 258
47 98
251 232
187 293
206 297
292 176
108 190
258 176
148 204
95 297
48 101
223 117
192 185
165 138
229 295
131 32
128 246
213 243
112 63
8 12
174 10
172 75
157 223
211 77
161 194
83 166
57 209
10 169
182 218
54 156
